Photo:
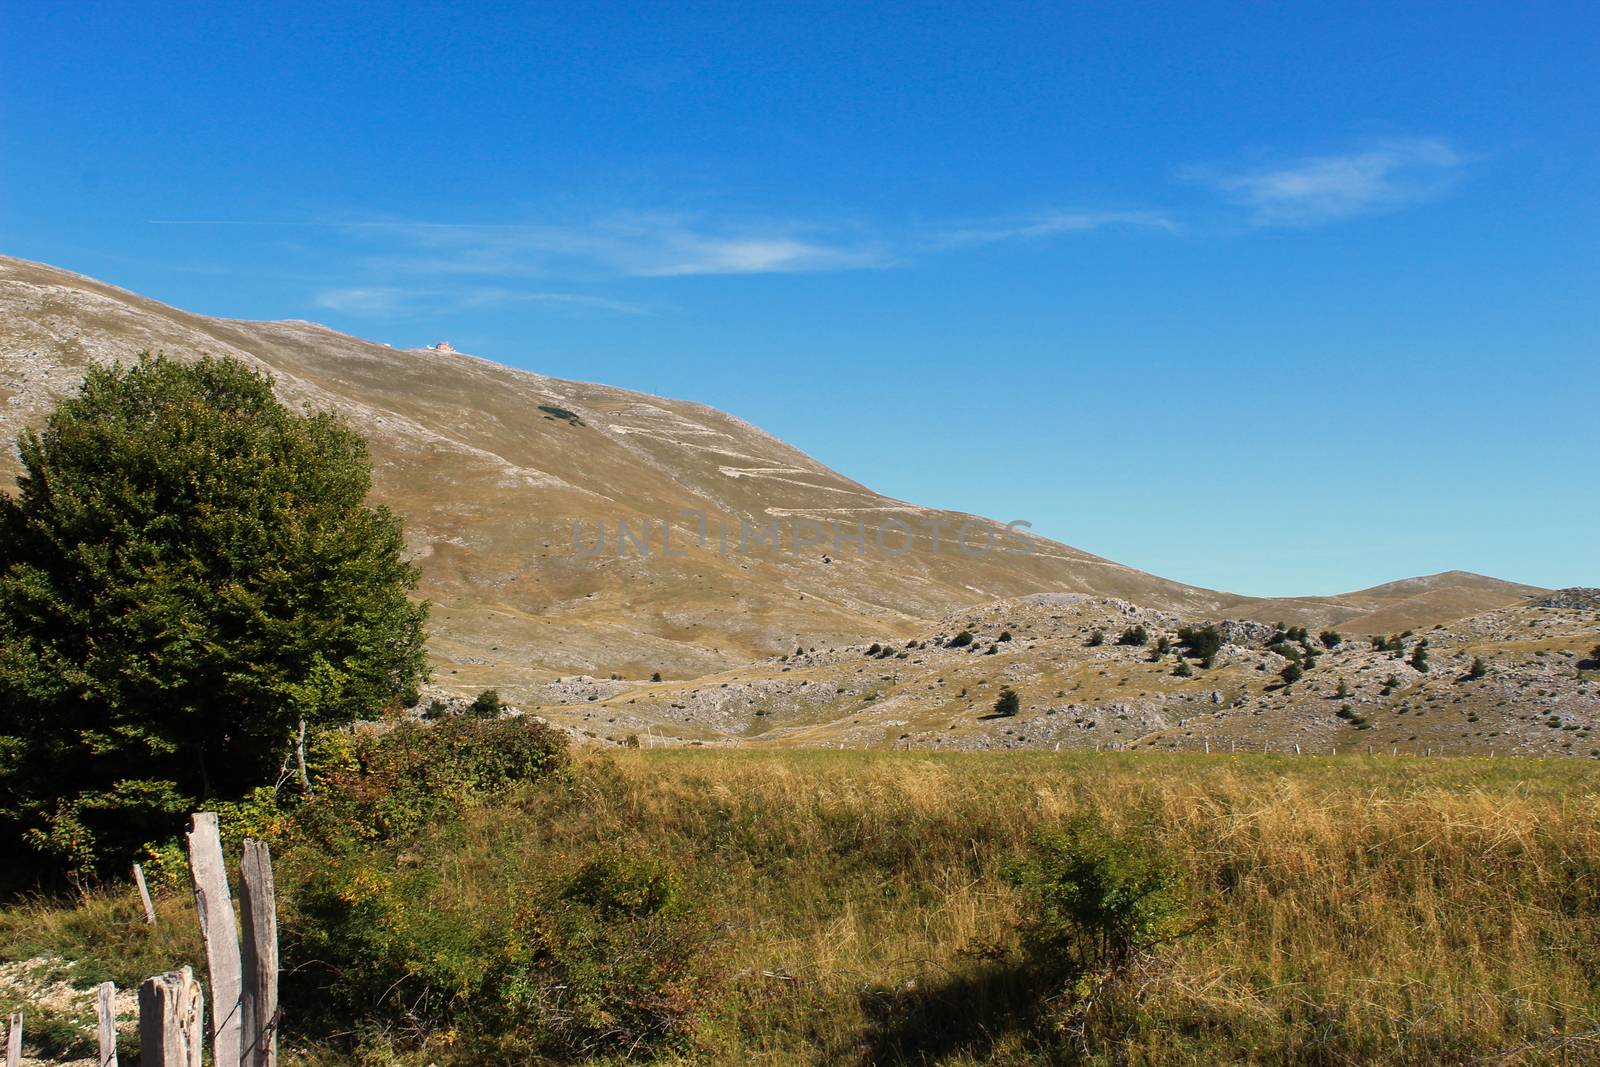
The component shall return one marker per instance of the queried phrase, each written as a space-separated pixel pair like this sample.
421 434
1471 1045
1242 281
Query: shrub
1201 642
1097 899
655 676
1478 669
1291 673
609 970
1348 714
1134 635
386 787
1097 639
1183 670
188 571
486 705
1008 703
873 649
960 640
1419 657
601 963
1331 639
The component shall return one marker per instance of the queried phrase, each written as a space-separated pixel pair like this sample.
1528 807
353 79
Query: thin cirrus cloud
402 302
637 246
1054 224
1328 188
422 267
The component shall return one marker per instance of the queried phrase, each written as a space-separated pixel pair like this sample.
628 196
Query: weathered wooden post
144 895
105 1010
220 932
14 1041
171 1008
258 911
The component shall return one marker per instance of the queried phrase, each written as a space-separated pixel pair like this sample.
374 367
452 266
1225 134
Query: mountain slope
491 467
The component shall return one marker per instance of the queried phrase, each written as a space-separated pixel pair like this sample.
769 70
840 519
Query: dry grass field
849 907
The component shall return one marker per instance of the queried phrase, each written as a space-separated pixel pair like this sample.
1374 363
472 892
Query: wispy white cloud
404 268
630 246
656 245
1318 189
1054 224
391 302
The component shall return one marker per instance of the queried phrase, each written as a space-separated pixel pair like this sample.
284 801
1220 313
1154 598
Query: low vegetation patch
847 907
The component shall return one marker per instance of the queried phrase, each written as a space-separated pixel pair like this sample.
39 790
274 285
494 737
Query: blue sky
1272 298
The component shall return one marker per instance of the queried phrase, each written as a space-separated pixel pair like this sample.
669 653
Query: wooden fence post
105 1010
144 895
171 1008
258 910
14 1041
220 932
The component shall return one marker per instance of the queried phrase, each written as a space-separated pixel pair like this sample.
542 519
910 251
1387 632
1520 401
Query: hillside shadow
964 1015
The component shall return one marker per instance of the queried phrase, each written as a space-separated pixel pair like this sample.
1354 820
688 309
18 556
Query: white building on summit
442 346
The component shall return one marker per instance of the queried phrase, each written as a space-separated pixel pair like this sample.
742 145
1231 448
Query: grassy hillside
490 466
850 907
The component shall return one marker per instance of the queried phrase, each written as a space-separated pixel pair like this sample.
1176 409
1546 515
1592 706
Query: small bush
1097 639
1008 703
1134 635
486 705
601 963
1478 669
1201 642
1331 639
1097 899
960 640
384 787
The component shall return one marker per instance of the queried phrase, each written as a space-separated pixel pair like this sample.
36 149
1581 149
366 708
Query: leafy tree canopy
188 571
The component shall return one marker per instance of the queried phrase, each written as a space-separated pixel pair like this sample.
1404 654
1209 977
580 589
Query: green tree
1291 673
486 705
1008 703
188 571
1202 642
1478 668
1419 657
1134 635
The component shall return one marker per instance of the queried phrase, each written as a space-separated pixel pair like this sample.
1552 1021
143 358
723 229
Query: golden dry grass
1354 910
